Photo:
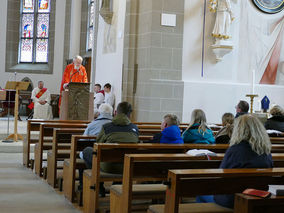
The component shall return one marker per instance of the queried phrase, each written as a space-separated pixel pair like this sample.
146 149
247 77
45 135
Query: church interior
197 69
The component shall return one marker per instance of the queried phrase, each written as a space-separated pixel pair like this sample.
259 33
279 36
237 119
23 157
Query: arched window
90 30
34 31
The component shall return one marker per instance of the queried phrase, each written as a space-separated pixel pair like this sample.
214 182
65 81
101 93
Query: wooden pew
70 165
108 153
277 140
151 167
78 143
33 126
61 135
252 204
115 153
46 131
194 182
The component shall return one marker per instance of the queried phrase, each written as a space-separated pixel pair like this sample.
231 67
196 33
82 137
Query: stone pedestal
221 48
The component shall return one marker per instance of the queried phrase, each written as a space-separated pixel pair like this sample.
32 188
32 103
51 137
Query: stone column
75 28
152 79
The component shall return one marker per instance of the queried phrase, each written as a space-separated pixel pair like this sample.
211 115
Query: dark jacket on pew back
241 156
275 123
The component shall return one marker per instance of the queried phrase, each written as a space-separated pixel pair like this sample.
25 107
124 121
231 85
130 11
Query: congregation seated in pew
120 130
170 131
198 131
276 122
250 147
223 136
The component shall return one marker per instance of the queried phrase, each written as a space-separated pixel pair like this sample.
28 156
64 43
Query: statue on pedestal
221 30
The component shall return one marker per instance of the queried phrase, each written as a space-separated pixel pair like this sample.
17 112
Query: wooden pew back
60 136
151 167
46 130
193 182
33 125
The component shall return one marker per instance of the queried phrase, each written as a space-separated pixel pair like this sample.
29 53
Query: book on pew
276 189
257 193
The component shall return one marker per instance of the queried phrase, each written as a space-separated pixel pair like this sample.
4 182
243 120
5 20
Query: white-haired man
74 72
105 116
94 128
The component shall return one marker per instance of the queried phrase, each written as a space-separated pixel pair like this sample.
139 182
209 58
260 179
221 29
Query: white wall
109 65
3 24
223 83
52 82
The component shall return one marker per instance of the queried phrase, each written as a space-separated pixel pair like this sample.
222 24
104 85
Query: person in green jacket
120 130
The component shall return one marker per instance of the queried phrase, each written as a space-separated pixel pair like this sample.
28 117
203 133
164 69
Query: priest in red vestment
74 72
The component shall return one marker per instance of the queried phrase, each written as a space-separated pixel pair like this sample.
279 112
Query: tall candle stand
251 101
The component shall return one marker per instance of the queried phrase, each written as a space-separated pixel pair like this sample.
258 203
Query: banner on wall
262 45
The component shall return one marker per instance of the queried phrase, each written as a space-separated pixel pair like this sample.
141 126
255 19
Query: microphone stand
9 102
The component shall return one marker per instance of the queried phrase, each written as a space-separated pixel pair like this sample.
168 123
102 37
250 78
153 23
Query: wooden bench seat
61 136
46 130
194 182
193 208
253 204
152 167
115 153
78 143
33 126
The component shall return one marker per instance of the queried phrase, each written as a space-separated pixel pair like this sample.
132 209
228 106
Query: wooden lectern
77 103
16 85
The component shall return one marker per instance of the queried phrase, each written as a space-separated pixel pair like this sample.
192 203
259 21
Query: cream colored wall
109 65
223 83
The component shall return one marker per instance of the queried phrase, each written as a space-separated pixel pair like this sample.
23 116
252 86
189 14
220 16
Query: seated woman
224 134
250 147
276 122
198 132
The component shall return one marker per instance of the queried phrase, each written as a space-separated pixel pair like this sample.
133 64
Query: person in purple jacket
250 147
170 131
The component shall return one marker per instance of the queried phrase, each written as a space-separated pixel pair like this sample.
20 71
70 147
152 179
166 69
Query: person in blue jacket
198 132
170 131
250 147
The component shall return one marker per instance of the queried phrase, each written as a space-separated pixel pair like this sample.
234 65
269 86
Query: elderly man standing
74 72
41 102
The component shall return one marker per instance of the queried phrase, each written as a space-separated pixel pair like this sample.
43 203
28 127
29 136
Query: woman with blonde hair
198 132
250 147
224 134
276 122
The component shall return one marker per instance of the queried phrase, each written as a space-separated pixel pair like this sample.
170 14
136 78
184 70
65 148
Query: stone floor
20 189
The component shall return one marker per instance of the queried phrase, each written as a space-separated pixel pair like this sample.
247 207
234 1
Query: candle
252 82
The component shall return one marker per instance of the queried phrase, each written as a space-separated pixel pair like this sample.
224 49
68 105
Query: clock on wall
270 6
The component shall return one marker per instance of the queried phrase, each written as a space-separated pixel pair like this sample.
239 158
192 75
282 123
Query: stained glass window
34 31
90 30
